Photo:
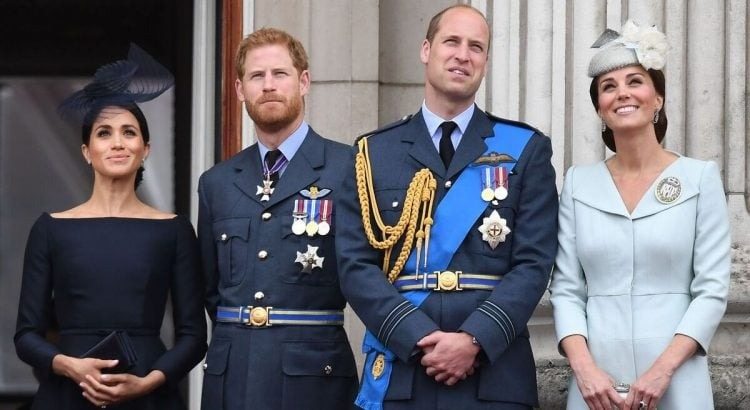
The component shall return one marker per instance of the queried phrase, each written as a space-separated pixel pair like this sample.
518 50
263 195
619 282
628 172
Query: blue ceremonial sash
454 217
372 391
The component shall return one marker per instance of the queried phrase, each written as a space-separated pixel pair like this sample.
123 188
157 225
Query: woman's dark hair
93 114
657 77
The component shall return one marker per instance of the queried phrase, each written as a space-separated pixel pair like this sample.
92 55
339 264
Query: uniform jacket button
205 366
266 216
259 295
262 254
448 184
328 369
223 237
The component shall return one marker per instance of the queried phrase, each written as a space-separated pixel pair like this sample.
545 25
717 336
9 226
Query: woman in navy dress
110 263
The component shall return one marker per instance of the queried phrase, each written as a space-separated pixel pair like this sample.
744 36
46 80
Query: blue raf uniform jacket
496 318
247 246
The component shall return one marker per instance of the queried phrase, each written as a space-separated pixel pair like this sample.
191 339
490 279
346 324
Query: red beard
274 117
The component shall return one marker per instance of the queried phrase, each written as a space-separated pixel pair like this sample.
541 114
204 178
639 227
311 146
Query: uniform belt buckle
447 281
259 316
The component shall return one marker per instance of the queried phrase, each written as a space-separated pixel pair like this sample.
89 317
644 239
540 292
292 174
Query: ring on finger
642 405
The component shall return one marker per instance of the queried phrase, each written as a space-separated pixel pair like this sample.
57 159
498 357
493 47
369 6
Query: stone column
403 25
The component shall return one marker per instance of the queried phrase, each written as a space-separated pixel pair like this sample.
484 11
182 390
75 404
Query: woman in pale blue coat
642 270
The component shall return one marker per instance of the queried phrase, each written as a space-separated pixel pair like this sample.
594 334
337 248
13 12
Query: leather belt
447 281
265 316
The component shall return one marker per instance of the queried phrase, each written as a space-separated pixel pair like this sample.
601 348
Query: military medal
299 215
325 215
494 229
494 183
309 259
488 193
266 190
298 227
316 217
378 366
312 226
501 193
501 183
668 190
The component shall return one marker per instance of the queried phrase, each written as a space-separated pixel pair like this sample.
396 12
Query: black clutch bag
116 346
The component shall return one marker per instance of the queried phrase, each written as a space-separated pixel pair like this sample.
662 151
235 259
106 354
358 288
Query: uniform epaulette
387 127
512 122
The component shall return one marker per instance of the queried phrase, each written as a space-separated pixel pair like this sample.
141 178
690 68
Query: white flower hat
645 46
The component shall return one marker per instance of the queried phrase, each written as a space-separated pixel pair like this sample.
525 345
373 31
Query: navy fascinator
138 79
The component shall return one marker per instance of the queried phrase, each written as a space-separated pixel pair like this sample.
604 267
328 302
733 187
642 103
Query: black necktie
271 158
446 145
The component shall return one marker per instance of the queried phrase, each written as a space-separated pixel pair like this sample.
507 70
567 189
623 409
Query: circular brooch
668 190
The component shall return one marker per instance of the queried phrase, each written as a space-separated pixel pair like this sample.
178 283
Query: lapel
301 172
470 148
596 188
422 148
649 205
249 172
472 143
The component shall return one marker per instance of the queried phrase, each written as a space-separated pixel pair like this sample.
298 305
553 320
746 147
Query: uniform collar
597 189
433 121
291 145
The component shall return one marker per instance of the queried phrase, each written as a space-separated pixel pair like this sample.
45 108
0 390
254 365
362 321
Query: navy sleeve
186 289
35 304
207 251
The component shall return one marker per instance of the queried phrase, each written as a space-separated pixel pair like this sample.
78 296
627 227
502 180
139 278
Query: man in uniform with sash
447 235
266 230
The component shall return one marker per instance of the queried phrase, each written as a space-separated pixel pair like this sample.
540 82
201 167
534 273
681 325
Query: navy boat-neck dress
95 275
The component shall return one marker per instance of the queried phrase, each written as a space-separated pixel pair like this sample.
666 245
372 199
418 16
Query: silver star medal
309 259
265 190
494 229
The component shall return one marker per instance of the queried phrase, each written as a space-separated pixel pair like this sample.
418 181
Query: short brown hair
270 36
657 77
434 25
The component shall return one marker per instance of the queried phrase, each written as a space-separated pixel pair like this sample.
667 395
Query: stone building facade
366 72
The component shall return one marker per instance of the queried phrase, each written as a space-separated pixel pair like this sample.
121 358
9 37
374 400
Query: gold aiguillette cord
415 220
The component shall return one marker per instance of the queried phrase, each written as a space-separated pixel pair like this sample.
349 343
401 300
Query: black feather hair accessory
138 79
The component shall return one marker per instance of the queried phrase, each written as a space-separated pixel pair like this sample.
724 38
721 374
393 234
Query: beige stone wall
366 72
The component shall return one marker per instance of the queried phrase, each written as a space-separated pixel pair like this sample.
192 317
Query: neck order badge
272 164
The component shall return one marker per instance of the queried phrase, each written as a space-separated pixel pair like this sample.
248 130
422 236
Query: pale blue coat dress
629 283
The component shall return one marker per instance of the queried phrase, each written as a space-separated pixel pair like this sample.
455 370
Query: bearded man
266 233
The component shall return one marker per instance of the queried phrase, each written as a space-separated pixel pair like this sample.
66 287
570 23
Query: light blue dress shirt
290 145
433 122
